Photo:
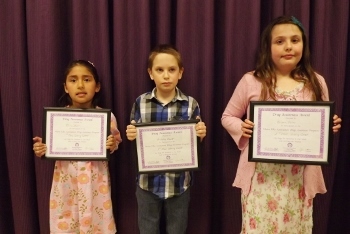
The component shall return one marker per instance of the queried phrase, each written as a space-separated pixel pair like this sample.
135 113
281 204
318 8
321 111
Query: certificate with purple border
298 132
167 146
76 134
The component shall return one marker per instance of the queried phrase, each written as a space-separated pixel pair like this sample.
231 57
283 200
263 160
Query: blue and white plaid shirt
148 109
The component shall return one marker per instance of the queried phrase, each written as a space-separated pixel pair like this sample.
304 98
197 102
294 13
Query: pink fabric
80 198
249 89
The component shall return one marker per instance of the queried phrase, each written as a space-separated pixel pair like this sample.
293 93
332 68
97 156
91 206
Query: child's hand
336 122
201 129
111 143
38 147
247 128
131 131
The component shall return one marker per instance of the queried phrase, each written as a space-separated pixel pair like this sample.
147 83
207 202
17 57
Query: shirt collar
180 96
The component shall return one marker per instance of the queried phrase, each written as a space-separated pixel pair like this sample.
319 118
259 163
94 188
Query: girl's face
165 72
81 87
286 47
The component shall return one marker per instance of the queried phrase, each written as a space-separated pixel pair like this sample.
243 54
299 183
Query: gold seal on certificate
167 146
76 134
298 132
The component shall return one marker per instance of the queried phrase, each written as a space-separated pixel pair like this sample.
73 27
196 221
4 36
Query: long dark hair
65 99
265 73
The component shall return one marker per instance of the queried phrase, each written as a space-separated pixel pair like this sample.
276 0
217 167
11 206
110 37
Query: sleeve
325 94
135 112
195 109
114 131
313 177
236 108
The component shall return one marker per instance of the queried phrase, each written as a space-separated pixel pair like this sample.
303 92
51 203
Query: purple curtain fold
218 41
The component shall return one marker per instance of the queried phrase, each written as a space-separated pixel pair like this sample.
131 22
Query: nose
166 75
288 45
80 83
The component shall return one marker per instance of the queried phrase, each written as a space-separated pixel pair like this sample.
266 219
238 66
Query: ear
150 73
98 87
181 72
65 88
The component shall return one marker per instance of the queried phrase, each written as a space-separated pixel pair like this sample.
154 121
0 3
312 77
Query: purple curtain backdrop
218 41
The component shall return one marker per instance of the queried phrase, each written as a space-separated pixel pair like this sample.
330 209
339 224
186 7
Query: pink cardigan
249 89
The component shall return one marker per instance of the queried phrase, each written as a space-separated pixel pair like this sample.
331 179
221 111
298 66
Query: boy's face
286 47
166 73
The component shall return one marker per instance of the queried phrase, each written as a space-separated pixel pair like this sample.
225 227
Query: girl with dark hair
80 199
65 99
276 198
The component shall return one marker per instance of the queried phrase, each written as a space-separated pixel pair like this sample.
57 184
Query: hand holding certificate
76 134
291 132
167 146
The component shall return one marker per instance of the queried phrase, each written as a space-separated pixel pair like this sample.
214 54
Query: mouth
288 56
80 94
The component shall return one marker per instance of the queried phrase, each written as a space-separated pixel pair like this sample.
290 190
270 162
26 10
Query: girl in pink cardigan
276 198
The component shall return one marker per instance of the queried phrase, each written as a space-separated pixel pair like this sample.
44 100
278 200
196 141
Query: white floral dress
276 202
80 198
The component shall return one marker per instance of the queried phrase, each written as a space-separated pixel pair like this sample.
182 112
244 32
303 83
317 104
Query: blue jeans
150 209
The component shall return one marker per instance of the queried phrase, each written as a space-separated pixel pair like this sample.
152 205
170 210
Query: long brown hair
265 72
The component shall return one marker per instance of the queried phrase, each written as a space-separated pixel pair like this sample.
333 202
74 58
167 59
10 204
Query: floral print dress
276 202
80 199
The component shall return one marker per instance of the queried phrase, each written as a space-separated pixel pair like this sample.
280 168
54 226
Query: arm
39 147
337 123
325 96
131 129
201 129
248 88
114 139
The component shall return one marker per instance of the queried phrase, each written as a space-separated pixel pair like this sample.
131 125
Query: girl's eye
159 70
279 42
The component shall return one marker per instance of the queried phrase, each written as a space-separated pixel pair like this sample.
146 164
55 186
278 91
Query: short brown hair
164 49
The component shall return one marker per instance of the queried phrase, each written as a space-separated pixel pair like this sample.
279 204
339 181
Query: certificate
167 146
76 134
298 132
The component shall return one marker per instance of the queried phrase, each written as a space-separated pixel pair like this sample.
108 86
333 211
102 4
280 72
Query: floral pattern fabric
276 202
80 198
